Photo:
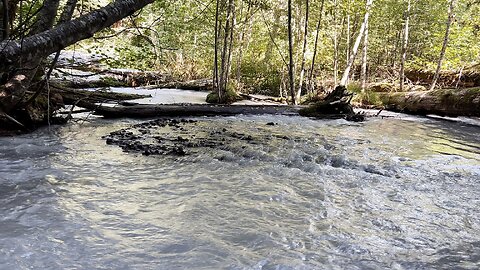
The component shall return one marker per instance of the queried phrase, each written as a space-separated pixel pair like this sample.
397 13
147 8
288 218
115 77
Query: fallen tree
88 99
196 85
446 79
143 111
101 77
444 102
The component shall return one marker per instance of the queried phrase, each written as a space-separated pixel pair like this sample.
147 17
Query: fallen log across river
145 111
443 102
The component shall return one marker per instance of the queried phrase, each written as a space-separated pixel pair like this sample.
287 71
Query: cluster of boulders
175 137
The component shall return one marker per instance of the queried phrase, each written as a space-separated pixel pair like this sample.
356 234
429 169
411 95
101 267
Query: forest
412 56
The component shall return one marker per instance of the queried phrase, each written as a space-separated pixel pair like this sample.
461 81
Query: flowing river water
400 193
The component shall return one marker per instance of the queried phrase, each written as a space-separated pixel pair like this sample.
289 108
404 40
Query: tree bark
405 46
346 73
335 44
217 32
244 41
449 102
4 7
304 56
451 16
291 73
142 111
46 16
363 74
315 46
21 58
45 43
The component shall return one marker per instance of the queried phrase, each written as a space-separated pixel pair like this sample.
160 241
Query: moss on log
444 102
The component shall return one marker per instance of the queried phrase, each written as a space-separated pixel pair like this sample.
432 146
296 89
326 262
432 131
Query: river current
399 193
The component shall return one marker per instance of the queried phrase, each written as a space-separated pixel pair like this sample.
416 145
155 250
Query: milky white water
304 194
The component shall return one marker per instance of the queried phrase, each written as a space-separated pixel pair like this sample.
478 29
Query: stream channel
297 193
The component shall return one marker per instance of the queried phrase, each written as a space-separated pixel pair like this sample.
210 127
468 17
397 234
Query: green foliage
176 37
230 95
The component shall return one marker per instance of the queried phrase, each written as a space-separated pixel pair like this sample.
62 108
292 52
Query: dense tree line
179 37
288 48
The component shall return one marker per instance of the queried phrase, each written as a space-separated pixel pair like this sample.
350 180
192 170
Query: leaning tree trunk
24 55
315 47
243 42
346 73
445 42
66 34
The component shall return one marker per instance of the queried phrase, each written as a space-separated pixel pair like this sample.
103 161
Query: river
400 193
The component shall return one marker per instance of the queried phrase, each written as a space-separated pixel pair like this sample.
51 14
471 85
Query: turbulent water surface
300 194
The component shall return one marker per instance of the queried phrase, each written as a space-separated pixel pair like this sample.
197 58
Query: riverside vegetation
298 51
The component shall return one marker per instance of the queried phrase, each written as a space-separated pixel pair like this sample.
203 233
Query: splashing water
299 194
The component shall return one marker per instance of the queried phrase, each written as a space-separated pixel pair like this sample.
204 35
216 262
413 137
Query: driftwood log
335 105
452 79
93 77
195 85
89 99
143 111
444 102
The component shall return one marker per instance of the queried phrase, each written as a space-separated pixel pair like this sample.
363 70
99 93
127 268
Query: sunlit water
305 194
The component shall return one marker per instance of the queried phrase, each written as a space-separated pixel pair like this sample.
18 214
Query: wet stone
179 137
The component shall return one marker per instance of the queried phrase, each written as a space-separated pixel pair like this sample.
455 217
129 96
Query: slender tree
451 16
346 73
315 46
291 73
4 23
217 32
244 40
363 74
304 56
335 43
405 45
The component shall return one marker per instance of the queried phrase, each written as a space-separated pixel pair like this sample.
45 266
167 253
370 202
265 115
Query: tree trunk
335 44
226 52
4 23
304 51
215 60
243 41
142 111
451 15
46 16
449 102
405 46
346 73
291 73
347 51
20 58
45 43
363 74
315 47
